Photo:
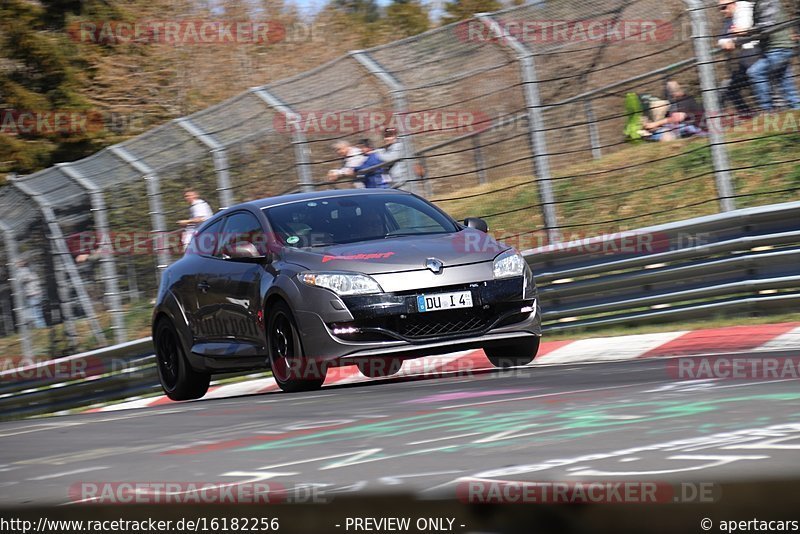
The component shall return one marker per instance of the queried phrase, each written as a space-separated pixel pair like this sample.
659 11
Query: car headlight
342 283
509 263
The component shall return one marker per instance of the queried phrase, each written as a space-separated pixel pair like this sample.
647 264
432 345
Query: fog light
526 309
345 330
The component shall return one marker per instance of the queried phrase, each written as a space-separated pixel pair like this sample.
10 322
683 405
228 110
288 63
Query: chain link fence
518 117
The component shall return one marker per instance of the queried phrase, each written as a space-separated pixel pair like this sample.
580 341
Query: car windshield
350 219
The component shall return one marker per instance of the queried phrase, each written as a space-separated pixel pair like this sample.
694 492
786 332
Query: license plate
444 301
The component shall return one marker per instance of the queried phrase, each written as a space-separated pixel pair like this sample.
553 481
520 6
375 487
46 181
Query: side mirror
476 223
244 251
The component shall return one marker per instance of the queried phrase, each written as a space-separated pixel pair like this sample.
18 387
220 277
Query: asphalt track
425 436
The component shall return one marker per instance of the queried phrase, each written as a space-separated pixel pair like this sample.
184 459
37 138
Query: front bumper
391 324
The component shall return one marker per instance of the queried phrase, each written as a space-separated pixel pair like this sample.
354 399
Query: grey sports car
300 283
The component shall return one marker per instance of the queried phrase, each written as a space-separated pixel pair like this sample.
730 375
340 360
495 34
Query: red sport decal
371 256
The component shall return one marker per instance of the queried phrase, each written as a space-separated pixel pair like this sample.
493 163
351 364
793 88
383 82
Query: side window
205 243
242 227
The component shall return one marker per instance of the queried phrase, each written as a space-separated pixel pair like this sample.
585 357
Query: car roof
283 199
316 195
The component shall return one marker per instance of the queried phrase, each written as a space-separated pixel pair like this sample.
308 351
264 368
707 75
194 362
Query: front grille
419 325
393 316
434 324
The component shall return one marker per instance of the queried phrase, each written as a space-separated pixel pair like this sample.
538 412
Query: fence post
541 159
220 157
20 309
594 132
398 93
480 164
154 200
61 253
702 41
108 262
301 155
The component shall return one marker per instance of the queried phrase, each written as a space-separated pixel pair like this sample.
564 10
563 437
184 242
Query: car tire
178 380
380 367
519 353
290 368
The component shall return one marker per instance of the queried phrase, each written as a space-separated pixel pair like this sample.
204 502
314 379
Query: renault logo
434 265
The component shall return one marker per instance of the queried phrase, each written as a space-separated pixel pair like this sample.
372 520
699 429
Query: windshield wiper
412 234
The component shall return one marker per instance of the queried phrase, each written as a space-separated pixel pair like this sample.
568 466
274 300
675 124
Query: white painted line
393 480
442 439
68 473
36 428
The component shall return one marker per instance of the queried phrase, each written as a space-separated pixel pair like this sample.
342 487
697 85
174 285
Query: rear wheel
519 353
380 367
178 380
290 368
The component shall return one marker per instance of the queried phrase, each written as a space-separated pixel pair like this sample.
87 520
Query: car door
192 287
236 288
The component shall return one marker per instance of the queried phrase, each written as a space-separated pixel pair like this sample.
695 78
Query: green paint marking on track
540 425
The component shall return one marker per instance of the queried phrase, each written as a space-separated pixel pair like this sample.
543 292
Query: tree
407 17
363 11
45 74
456 10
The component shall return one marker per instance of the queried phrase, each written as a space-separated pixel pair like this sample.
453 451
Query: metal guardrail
744 261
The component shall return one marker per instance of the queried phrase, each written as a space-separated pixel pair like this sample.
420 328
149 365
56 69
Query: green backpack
634 113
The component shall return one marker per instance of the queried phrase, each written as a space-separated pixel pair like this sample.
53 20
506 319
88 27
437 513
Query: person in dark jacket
741 52
775 61
370 172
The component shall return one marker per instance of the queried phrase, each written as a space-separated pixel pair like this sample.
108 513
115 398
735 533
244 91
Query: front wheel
178 380
290 368
512 355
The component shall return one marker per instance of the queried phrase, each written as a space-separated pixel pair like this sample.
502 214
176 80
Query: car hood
399 253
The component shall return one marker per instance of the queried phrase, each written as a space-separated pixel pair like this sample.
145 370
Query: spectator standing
777 52
741 52
371 172
392 152
32 291
352 157
199 211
